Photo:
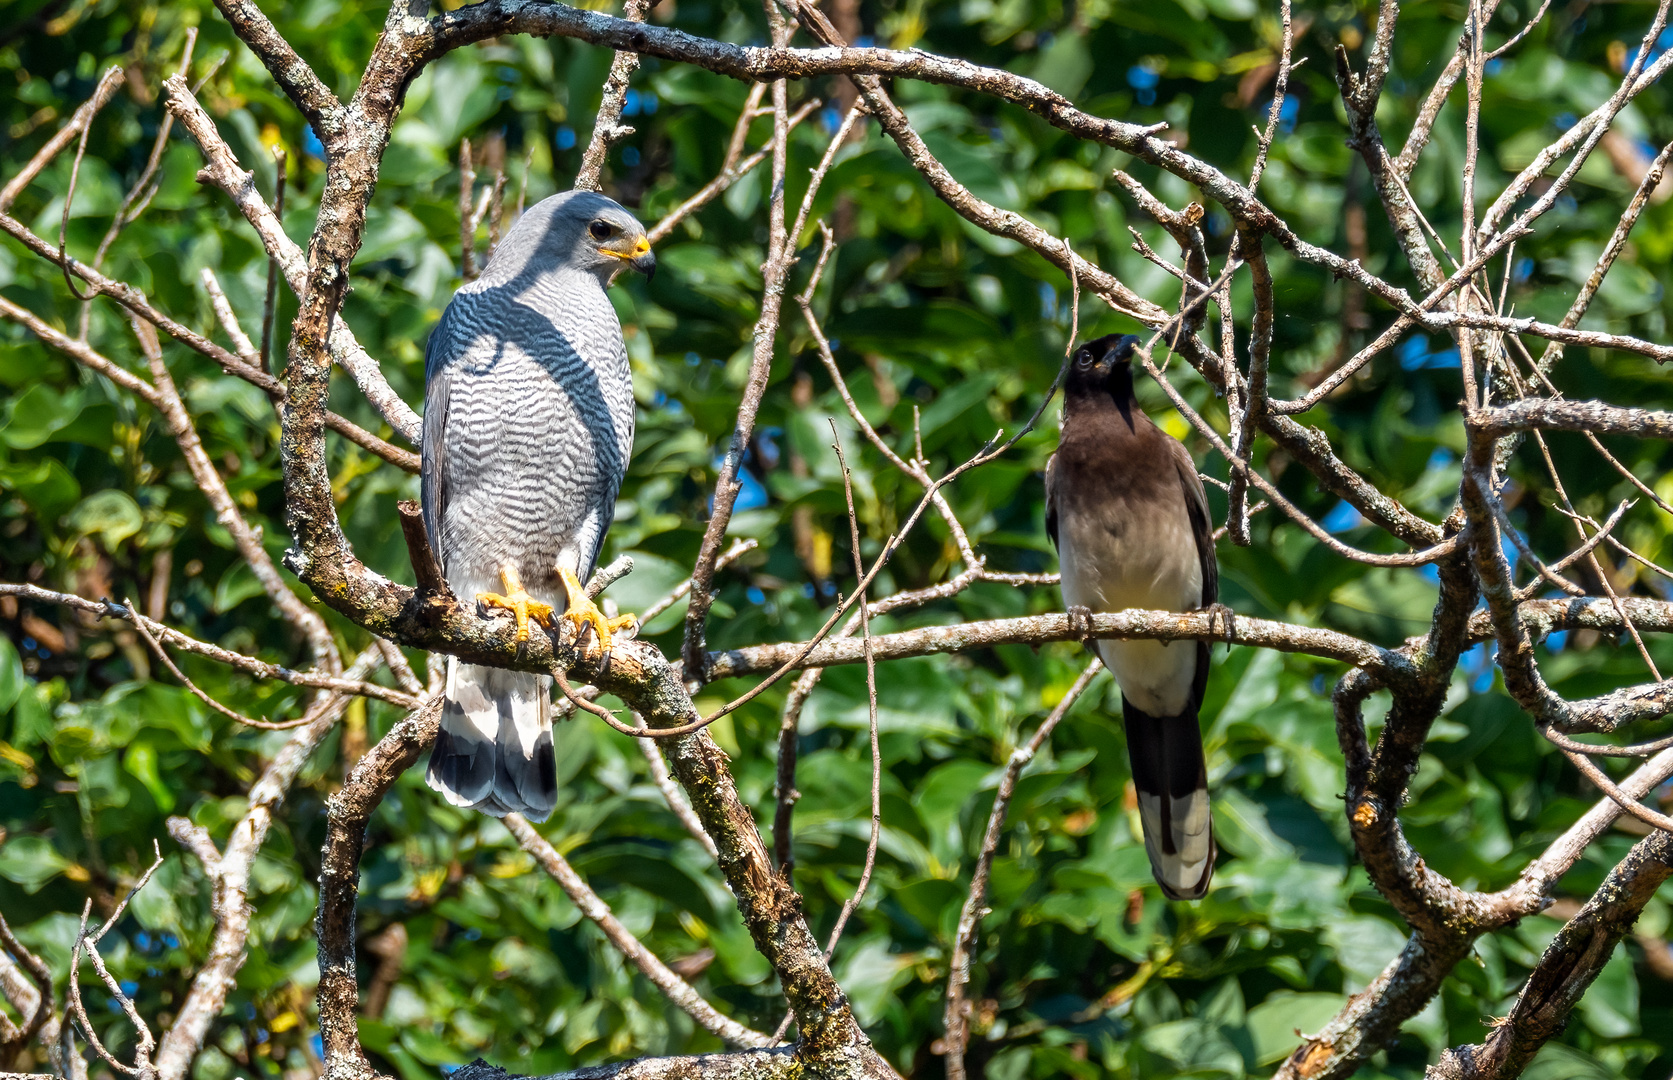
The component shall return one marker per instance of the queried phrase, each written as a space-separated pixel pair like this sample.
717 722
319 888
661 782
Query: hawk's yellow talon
583 612
522 606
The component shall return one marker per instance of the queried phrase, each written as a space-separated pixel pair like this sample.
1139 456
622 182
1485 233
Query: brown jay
1127 514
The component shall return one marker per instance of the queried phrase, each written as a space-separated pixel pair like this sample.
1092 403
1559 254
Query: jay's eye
1083 358
600 230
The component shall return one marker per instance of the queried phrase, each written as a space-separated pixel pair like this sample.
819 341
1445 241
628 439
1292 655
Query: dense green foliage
931 317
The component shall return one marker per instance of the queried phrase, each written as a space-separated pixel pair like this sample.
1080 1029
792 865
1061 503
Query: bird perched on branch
1126 510
528 426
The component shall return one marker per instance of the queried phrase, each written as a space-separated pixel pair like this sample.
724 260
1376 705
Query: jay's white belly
1153 565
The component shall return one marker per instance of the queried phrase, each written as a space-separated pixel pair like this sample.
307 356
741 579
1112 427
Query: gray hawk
528 427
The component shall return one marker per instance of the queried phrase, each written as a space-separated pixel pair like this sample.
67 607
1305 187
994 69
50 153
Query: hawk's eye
600 230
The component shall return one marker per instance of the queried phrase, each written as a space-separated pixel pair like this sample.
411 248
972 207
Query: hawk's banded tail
494 750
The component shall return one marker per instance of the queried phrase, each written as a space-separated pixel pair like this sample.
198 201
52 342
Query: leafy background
932 318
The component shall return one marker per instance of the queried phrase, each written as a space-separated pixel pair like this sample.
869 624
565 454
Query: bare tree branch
1567 969
229 874
607 127
223 170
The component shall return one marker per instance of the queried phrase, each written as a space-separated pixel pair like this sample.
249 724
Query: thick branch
1597 417
1567 969
289 70
347 813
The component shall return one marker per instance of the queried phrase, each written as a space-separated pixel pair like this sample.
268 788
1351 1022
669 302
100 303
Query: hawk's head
582 230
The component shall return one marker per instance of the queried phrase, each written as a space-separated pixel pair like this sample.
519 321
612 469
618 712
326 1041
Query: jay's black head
1103 367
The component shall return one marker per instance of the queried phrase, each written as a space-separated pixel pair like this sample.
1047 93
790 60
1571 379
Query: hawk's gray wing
433 480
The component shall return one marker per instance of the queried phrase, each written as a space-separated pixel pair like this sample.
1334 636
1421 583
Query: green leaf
944 792
12 678
1066 63
35 414
1364 946
94 426
31 716
431 1048
141 763
1559 1062
1240 826
1273 1024
653 577
237 585
31 862
1610 1006
46 485
1232 9
110 514
870 975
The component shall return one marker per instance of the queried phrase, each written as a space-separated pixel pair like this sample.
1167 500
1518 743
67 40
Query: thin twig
593 907
780 254
228 319
1611 251
78 122
957 1012
738 549
467 219
167 635
139 196
1583 762
853 902
248 543
607 127
1418 558
168 662
1527 28
1591 556
147 1042
785 793
38 971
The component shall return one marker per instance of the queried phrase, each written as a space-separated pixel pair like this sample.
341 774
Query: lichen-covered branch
1567 969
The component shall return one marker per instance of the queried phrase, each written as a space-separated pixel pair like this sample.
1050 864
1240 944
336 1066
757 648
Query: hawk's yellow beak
642 259
639 256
